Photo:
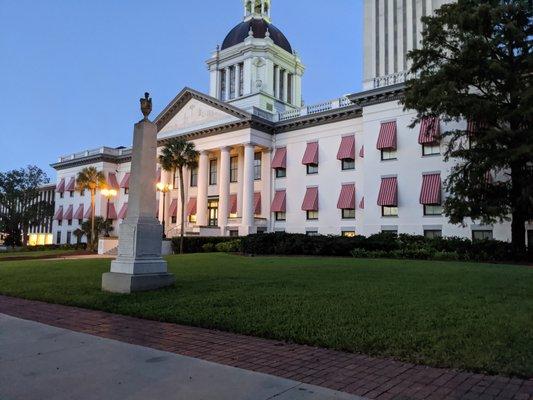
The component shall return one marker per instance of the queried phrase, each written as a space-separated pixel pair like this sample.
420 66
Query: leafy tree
87 228
175 156
20 207
476 64
92 180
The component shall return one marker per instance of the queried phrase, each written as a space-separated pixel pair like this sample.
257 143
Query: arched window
249 7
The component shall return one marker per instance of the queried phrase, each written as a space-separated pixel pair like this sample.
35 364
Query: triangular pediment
192 111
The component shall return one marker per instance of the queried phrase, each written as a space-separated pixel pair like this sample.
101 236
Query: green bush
194 244
209 248
229 247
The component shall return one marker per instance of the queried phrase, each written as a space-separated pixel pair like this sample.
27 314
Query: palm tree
92 180
175 156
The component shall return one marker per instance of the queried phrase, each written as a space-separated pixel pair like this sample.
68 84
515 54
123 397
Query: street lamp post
164 188
108 194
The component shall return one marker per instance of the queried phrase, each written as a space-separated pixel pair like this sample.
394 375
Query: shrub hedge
386 245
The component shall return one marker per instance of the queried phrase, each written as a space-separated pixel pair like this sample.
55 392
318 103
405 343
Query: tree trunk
93 195
182 199
518 228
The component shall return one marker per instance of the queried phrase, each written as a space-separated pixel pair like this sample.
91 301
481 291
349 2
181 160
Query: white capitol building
267 163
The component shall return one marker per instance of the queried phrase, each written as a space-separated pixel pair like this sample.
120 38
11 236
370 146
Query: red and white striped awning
280 158
125 183
310 202
59 214
79 212
362 152
387 136
362 203
429 131
431 193
233 204
257 203
123 213
191 206
347 148
347 197
61 187
112 212
88 213
71 187
311 154
112 181
69 213
388 193
279 204
173 208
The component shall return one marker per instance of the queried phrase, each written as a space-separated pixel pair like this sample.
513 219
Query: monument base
127 283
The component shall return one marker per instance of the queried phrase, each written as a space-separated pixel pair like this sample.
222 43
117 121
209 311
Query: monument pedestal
139 265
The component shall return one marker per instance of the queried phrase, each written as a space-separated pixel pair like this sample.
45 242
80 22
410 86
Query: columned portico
203 171
248 191
224 189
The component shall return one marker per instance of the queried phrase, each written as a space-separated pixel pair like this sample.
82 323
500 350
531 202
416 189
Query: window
281 216
126 190
61 195
223 84
261 230
233 169
349 234
482 235
58 238
391 231
281 173
348 214
192 218
69 222
312 215
389 211
312 169
289 88
212 212
432 210
241 79
432 233
388 154
232 82
174 219
234 233
213 173
348 164
82 193
194 177
257 166
69 237
281 85
59 223
311 233
431 149
80 221
71 193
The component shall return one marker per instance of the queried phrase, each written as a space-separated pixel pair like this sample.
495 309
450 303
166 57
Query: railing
315 109
101 150
391 79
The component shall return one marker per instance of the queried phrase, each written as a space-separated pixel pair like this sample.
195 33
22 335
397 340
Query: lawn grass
33 254
476 317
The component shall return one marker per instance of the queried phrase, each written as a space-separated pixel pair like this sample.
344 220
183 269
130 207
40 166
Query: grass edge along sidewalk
448 314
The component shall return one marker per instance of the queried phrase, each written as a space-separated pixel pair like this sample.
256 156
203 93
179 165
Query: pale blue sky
72 71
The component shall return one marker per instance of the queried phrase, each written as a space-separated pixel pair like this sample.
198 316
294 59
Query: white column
238 73
266 179
240 181
248 190
285 86
203 172
227 84
223 200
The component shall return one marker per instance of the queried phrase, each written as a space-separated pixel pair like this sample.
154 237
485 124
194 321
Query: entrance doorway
212 212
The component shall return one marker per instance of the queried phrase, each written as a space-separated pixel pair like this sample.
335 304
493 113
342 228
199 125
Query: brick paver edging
373 378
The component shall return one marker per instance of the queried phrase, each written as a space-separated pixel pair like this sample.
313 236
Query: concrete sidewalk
42 362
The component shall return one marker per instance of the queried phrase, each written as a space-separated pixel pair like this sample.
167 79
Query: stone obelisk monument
139 265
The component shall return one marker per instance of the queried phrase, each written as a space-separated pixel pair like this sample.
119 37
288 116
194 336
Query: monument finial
146 105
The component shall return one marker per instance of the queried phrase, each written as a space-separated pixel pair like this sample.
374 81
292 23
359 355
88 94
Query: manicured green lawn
33 254
477 317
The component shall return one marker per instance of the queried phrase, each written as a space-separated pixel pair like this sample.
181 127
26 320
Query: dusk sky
72 71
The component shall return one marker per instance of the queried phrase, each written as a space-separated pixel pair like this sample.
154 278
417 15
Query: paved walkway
38 362
356 374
